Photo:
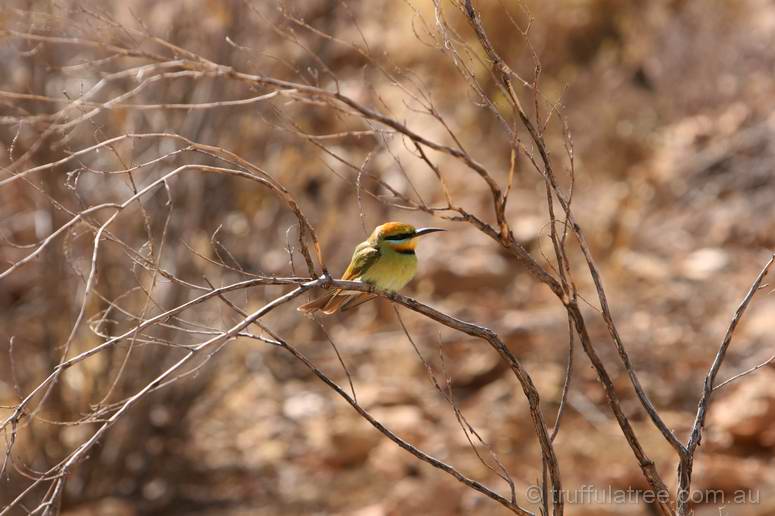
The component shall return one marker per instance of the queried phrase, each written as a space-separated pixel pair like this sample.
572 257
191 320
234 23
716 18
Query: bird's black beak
425 231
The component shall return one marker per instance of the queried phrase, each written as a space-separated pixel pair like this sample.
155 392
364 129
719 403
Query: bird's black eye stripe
400 236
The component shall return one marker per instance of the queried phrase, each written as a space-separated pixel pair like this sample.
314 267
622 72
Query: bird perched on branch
386 260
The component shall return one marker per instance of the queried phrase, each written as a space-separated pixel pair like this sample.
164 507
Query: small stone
746 415
703 263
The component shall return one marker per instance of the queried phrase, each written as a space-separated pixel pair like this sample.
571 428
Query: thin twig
687 461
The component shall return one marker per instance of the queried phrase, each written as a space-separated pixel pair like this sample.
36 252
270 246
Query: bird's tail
333 302
328 303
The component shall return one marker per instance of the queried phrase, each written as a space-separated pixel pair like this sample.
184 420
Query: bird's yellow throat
403 247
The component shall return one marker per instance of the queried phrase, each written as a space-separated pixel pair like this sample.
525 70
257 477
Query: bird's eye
400 236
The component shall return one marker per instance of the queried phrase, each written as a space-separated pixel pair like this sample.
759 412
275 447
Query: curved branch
492 338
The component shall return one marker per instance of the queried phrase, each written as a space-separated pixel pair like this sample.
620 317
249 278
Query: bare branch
687 461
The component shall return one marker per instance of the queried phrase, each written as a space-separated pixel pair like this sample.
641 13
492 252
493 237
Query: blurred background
670 107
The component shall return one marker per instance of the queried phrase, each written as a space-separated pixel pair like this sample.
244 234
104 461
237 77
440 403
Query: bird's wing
364 257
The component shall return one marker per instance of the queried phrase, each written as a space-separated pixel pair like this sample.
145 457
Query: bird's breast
392 271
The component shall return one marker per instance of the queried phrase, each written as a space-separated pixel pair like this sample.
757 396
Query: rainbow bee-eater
386 260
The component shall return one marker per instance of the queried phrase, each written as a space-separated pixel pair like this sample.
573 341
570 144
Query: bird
386 260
